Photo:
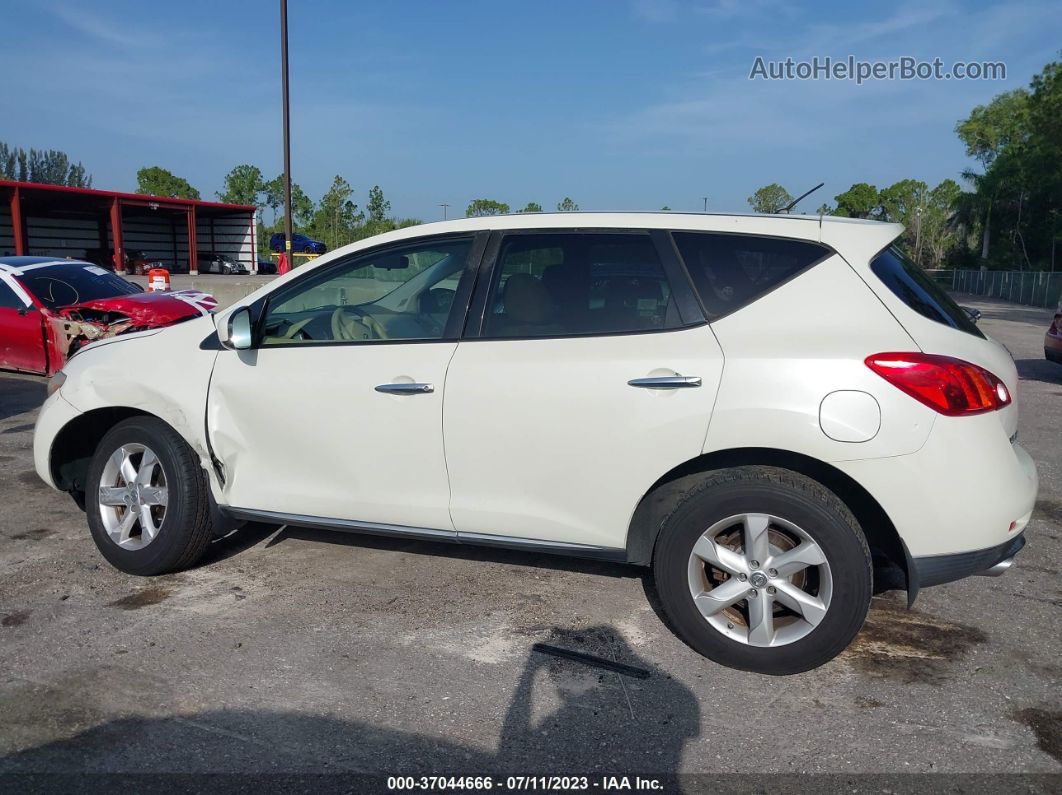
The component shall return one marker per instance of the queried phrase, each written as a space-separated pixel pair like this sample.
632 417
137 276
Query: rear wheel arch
891 569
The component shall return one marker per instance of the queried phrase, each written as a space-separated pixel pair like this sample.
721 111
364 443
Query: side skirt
615 555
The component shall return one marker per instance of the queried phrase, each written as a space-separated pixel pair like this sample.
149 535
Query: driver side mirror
236 333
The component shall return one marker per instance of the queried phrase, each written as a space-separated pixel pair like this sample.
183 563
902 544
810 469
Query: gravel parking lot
301 651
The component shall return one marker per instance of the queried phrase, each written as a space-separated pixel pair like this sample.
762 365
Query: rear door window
574 284
730 271
914 287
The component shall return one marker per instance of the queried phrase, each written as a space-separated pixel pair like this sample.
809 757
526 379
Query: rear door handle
406 389
667 382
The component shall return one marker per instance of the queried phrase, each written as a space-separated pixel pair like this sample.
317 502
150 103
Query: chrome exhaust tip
998 569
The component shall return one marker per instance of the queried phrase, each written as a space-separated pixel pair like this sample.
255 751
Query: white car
779 414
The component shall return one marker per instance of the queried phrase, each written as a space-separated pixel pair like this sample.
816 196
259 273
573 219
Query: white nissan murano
781 415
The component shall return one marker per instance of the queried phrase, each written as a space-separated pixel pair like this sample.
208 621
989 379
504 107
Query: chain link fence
1032 288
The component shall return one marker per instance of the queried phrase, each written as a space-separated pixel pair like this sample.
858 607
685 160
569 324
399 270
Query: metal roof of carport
60 200
27 189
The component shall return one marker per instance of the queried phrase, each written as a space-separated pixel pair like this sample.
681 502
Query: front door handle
406 389
667 382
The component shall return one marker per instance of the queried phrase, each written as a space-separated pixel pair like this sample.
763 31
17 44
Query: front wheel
147 499
764 570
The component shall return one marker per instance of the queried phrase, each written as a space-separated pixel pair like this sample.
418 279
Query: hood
144 310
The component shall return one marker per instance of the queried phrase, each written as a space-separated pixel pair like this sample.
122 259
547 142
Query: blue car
298 243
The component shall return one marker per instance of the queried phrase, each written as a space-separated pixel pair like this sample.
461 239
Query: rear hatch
937 324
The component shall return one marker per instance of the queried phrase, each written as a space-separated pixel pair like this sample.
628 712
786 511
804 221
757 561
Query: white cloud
107 31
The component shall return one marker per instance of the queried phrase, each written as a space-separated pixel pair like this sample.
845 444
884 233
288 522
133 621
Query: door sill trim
614 554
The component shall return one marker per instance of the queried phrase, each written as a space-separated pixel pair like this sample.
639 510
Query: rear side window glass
730 271
914 287
573 284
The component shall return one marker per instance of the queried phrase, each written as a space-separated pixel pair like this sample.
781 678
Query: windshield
73 283
914 287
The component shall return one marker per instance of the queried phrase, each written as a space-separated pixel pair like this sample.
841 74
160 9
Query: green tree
532 207
377 206
939 227
337 217
665 209
990 128
302 208
157 181
903 203
825 209
478 207
566 205
769 199
987 132
243 185
859 201
46 166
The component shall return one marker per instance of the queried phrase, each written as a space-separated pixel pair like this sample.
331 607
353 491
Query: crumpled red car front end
50 309
80 324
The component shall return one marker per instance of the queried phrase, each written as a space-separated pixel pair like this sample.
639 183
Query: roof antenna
793 203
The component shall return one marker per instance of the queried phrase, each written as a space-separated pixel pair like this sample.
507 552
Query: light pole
287 128
444 205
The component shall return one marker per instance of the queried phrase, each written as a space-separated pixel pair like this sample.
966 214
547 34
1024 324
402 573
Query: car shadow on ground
560 716
1039 370
19 395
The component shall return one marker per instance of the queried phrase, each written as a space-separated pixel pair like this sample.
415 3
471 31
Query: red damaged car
49 308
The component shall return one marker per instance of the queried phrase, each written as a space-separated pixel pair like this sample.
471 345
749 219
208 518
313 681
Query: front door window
396 293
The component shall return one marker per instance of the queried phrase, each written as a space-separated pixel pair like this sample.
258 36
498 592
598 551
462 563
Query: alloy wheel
760 579
133 496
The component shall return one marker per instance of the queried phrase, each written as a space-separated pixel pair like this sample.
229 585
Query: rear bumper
939 569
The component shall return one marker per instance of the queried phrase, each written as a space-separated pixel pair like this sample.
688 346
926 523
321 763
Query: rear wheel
764 570
147 499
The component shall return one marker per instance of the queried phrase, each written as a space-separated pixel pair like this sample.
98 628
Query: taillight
950 386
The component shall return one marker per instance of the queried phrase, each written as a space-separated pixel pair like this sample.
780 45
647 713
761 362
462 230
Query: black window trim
455 321
828 251
490 272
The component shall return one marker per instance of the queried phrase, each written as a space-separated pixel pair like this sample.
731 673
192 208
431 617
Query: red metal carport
55 220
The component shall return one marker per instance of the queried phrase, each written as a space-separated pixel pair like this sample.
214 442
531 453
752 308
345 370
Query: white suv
779 414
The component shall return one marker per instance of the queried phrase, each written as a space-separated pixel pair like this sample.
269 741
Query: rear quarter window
730 271
912 285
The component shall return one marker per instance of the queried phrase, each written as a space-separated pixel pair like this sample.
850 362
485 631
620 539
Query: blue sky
620 105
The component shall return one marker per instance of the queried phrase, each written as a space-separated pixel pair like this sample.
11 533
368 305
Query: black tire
185 529
787 495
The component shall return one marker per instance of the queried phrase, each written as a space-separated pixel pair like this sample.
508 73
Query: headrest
527 300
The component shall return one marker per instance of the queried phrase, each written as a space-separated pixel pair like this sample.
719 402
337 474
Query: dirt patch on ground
1049 509
31 479
1047 725
902 644
151 595
14 619
33 535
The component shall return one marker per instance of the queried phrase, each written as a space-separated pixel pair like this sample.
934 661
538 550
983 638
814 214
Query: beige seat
528 309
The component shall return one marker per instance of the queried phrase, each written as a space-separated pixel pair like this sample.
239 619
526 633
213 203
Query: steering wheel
296 327
364 326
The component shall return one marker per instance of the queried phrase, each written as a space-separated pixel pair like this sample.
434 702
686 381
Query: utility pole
287 128
444 205
706 204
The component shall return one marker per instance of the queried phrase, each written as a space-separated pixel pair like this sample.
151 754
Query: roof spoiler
859 241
